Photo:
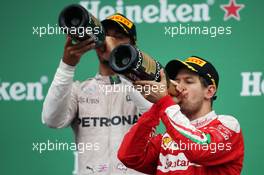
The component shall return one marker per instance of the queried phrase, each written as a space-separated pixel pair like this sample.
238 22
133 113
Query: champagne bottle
134 64
77 22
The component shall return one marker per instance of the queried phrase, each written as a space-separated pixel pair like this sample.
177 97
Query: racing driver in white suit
96 116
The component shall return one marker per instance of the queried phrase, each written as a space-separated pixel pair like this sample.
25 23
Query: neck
105 70
205 109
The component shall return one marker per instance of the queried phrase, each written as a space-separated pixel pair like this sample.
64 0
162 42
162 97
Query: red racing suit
210 145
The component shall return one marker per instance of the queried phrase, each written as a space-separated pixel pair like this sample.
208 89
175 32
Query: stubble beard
189 109
104 62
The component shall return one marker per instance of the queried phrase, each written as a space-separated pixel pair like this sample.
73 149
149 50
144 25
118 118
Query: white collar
106 79
202 121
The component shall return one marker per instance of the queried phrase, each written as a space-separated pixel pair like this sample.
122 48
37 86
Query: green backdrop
28 63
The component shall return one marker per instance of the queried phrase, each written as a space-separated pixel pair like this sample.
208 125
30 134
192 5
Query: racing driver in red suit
197 141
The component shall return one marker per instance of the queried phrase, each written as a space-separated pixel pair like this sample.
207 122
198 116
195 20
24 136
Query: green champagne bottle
80 25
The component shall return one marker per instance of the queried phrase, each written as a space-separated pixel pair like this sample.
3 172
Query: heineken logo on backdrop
232 10
19 91
161 11
252 84
164 11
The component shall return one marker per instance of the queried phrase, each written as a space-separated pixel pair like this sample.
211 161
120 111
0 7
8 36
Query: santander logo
173 162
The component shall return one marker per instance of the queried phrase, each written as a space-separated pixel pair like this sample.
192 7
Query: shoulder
83 84
230 122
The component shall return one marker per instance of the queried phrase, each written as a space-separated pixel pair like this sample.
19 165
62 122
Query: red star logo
232 10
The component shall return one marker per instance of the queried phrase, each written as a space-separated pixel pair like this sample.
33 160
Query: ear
210 91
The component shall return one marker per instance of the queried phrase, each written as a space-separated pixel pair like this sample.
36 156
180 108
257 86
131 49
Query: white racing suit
97 116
